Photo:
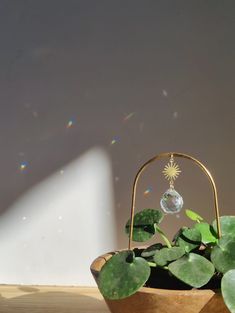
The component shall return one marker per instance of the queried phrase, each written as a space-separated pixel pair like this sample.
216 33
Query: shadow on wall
53 232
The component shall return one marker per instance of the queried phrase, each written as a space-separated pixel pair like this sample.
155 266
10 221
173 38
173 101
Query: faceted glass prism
171 201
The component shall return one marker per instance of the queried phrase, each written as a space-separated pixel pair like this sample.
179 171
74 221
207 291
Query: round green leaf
166 255
223 254
228 287
151 250
192 269
144 224
193 216
123 275
227 225
206 233
189 239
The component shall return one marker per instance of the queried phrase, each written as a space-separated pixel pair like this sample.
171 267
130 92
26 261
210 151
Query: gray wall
151 76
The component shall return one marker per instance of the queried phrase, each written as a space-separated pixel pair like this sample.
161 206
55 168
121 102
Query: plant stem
152 264
167 241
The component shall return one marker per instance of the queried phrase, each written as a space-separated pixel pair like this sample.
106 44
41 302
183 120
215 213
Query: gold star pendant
171 171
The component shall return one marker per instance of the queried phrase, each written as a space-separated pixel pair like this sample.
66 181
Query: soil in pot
162 279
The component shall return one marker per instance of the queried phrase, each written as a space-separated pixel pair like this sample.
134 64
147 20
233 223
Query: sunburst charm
171 171
171 201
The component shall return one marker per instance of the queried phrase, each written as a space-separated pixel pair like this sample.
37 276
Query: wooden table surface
40 299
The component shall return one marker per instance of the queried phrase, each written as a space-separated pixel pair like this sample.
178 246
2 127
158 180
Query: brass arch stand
168 155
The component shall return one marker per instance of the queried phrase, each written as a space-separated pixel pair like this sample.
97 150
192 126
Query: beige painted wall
133 77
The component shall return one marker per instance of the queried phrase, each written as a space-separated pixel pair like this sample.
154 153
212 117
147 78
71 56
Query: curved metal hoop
168 155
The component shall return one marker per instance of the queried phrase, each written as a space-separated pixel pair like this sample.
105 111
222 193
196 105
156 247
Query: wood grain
40 299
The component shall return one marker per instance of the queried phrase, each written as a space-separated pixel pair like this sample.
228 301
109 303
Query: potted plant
194 272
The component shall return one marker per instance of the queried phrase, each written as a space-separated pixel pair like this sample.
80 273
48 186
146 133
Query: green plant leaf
144 224
151 250
189 239
164 256
223 254
227 225
193 216
192 269
123 275
227 288
206 233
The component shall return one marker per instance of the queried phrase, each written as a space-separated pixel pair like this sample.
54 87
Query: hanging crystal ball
171 201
